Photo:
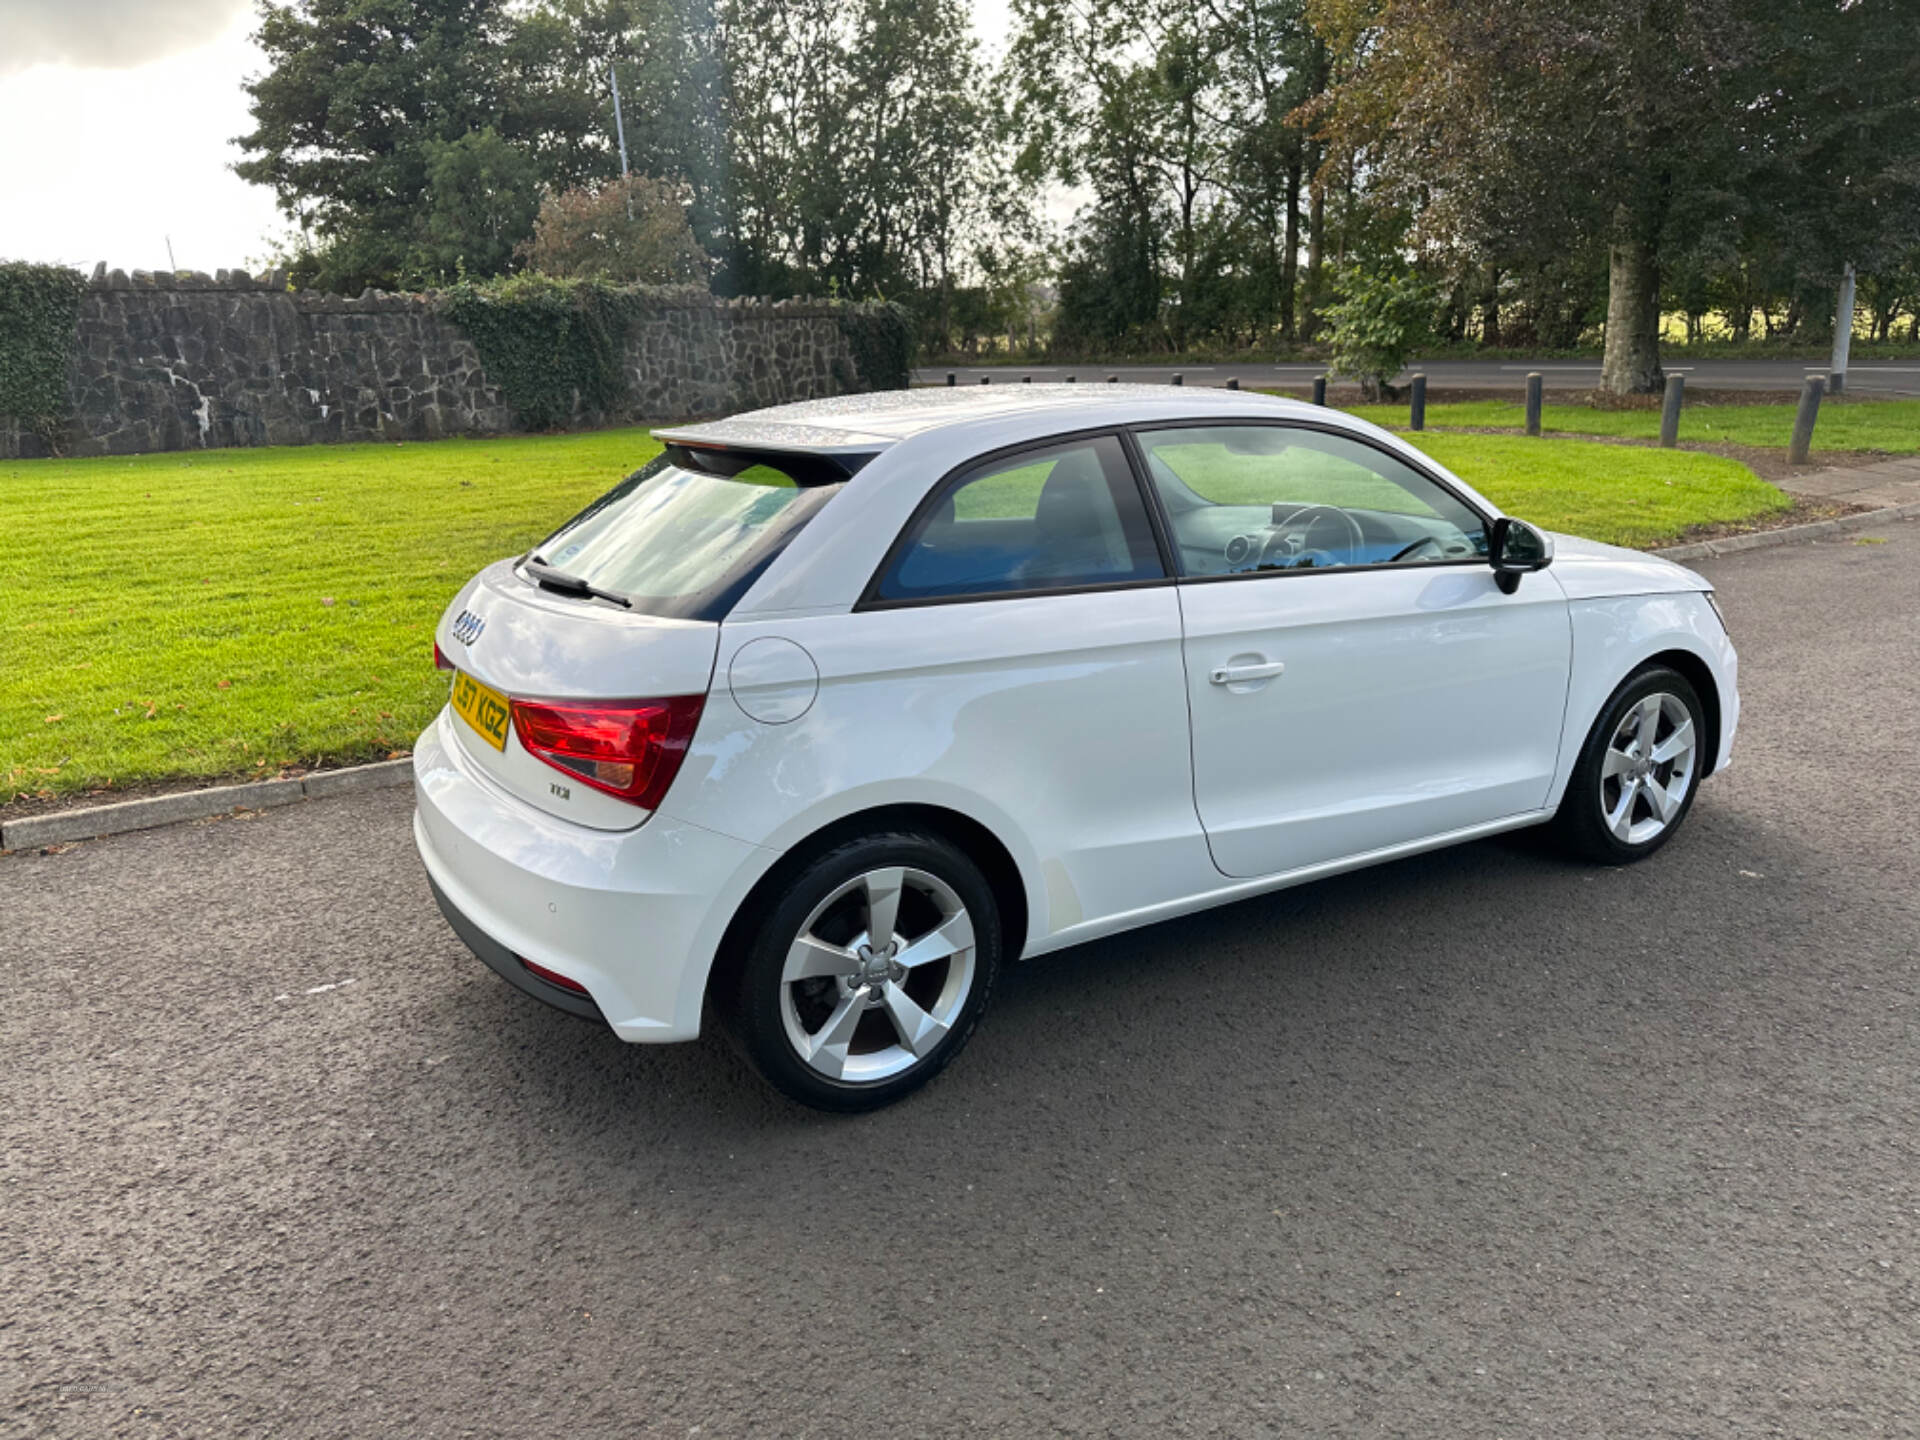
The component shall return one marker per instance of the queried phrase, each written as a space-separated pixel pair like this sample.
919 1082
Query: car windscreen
685 536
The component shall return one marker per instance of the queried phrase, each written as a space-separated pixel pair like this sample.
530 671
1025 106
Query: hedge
39 309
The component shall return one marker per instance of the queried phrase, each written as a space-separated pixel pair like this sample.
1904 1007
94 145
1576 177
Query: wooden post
1534 381
1670 411
1419 416
952 379
1803 419
1319 389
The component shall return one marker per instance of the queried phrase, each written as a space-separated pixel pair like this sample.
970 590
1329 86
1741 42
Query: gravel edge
98 820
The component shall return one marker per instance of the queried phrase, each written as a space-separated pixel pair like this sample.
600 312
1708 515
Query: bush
554 347
39 306
1384 312
632 231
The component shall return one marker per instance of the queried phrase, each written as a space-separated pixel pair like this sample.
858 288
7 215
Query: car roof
865 423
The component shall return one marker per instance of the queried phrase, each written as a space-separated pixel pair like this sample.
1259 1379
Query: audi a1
834 709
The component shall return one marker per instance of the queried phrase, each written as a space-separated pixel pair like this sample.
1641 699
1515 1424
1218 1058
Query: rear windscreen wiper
549 578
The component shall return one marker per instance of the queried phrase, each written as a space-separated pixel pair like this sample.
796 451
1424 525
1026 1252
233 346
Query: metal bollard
952 379
1670 411
1803 419
1233 382
1178 378
1419 417
1319 389
1534 381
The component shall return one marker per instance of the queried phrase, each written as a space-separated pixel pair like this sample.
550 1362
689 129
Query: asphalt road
1878 378
1478 1144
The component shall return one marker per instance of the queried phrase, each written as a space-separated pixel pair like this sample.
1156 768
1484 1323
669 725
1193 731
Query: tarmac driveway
1480 1143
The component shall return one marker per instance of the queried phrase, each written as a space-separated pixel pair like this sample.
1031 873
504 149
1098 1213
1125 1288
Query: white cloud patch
107 34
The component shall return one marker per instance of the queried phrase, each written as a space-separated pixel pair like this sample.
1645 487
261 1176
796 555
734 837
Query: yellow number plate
482 707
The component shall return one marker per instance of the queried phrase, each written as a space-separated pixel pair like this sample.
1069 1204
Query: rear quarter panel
1057 722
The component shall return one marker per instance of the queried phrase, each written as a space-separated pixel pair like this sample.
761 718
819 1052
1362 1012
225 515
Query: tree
629 231
481 196
355 116
1385 310
1657 133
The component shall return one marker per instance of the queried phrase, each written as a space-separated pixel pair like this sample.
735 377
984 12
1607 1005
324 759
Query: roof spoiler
806 467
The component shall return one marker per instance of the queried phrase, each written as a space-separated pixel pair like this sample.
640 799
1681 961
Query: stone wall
190 361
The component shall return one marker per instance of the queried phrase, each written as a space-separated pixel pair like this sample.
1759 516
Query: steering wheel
1414 548
1289 547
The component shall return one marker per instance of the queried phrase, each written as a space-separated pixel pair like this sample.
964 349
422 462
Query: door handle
1234 674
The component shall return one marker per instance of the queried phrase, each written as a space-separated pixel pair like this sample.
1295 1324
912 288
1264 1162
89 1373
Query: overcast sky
116 118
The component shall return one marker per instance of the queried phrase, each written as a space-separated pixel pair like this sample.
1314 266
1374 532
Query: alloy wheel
878 975
1648 768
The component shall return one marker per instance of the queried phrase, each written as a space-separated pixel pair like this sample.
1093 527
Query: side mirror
1514 549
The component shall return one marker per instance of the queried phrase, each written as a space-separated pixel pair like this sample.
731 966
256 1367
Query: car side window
1243 498
1055 517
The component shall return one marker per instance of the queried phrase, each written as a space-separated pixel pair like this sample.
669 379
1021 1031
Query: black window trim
1137 453
871 599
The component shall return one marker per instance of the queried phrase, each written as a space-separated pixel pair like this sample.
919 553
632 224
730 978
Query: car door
1356 678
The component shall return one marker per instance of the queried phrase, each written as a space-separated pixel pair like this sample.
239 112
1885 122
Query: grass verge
236 611
1892 426
233 612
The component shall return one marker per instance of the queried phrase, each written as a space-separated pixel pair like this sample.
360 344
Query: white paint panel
1415 701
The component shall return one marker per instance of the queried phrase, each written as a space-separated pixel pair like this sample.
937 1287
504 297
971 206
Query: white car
834 708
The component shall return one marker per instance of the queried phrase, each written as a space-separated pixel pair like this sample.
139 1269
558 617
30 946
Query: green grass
1616 493
242 610
168 615
1890 425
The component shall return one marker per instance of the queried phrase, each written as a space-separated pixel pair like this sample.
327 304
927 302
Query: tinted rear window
685 536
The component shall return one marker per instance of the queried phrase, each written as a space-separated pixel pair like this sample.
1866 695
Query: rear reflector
440 661
553 977
628 748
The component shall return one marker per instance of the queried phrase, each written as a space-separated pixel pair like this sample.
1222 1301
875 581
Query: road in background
1863 378
1481 1143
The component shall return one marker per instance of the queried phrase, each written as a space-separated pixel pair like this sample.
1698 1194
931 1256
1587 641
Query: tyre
1635 779
835 1018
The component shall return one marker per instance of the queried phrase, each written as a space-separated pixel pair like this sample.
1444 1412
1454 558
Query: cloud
107 34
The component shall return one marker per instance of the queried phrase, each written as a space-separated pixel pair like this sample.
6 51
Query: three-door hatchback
834 708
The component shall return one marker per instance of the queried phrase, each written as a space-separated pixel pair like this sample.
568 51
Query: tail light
440 661
628 748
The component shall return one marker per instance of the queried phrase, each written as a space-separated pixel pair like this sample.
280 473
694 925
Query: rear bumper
634 916
504 963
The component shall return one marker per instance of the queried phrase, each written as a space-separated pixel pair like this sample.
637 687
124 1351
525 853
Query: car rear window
685 536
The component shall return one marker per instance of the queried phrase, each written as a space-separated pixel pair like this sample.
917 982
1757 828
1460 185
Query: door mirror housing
1514 549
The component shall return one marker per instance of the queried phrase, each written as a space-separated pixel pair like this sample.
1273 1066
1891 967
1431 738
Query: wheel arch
1699 675
981 844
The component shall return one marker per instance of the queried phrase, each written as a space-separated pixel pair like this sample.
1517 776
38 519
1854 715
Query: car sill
1246 889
